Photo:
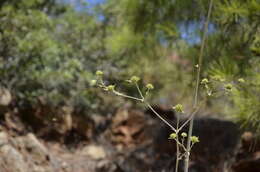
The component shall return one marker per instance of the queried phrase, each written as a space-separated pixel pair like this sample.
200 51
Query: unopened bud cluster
99 73
204 81
178 108
194 139
110 88
134 79
184 134
173 136
149 86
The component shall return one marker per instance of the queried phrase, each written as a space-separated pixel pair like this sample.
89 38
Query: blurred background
50 50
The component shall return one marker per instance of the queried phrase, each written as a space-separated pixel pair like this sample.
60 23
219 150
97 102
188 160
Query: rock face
28 154
5 97
9 155
56 123
132 142
248 157
23 154
5 100
93 151
128 128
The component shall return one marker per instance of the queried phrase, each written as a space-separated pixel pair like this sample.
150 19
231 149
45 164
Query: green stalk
177 144
195 103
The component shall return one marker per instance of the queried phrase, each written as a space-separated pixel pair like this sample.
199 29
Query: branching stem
147 104
126 96
160 117
139 90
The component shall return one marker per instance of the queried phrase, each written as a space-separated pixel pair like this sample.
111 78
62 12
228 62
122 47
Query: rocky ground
130 141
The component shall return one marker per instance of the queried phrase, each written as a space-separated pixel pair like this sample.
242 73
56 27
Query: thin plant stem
181 145
177 145
160 117
139 90
195 104
129 97
182 155
189 119
147 104
152 109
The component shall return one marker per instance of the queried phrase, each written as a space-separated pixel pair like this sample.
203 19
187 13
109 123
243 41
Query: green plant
177 135
213 87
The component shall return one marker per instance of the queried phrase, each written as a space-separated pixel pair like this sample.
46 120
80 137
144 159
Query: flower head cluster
178 108
93 82
183 134
173 136
149 86
110 88
204 81
194 139
134 79
99 73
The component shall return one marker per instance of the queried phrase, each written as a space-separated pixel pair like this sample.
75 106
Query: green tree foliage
246 99
48 50
236 48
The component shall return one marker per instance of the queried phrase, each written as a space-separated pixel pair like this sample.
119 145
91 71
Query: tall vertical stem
177 144
195 103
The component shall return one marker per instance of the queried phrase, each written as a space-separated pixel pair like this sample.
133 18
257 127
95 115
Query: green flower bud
178 108
173 136
110 88
241 80
149 86
99 73
134 79
194 139
93 82
184 134
204 81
